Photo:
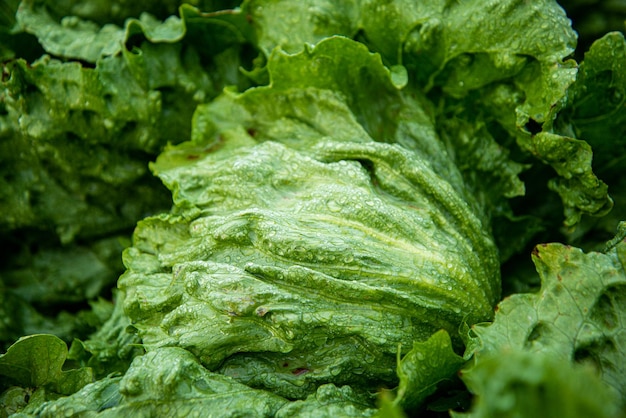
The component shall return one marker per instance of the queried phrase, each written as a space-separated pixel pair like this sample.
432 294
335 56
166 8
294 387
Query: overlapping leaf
75 141
289 214
37 361
577 316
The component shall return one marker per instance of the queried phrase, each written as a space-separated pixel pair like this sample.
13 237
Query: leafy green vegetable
112 347
427 365
460 48
311 224
350 189
37 361
168 381
329 401
524 384
594 112
74 145
531 344
577 315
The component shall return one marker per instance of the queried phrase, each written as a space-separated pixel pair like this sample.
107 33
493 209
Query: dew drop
335 370
333 206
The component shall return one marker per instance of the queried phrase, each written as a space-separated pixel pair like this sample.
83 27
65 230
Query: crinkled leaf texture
596 116
75 140
523 384
171 382
166 382
595 105
63 34
302 251
330 401
578 315
581 191
502 67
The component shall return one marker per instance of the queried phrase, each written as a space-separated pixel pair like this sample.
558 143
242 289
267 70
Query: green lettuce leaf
68 36
112 347
524 384
589 118
113 11
494 90
581 191
75 141
458 47
428 365
347 179
577 316
291 25
88 401
594 114
330 401
37 362
168 381
102 11
288 215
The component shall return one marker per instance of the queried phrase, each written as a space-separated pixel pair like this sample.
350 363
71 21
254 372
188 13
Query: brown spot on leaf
300 371
217 144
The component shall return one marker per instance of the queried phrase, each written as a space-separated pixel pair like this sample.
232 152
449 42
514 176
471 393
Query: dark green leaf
37 361
424 368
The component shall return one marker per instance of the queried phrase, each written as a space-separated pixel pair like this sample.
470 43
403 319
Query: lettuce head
310 209
309 253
